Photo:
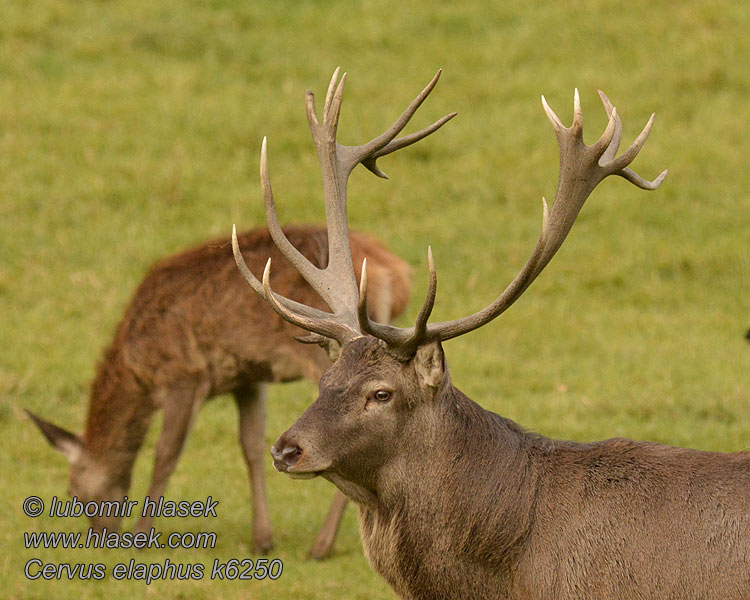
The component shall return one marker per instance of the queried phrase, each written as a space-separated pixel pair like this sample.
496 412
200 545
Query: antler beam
336 283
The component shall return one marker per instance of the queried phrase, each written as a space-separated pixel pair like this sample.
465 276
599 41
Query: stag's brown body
193 332
458 502
466 504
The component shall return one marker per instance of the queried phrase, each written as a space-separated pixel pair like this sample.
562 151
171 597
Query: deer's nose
286 457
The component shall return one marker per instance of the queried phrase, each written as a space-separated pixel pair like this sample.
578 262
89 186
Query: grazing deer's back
193 314
390 276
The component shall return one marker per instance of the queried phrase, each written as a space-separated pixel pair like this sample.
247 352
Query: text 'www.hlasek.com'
241 569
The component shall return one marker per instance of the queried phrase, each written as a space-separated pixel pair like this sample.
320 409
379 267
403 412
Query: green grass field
130 130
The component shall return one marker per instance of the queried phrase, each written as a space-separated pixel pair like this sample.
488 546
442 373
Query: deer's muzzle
285 457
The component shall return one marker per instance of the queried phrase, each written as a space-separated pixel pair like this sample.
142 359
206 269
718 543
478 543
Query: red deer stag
459 502
192 332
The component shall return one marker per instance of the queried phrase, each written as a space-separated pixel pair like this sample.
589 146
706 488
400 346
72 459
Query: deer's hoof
263 545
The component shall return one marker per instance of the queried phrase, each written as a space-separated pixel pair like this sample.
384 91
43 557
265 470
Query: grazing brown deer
190 333
458 502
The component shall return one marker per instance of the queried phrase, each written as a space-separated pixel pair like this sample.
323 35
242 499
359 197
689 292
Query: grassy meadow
130 130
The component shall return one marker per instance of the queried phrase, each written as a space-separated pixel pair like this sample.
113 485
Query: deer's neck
118 416
464 489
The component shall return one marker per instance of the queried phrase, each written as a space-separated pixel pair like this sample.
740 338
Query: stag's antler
336 283
582 168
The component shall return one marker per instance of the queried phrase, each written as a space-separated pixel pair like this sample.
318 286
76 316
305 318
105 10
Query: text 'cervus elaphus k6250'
192 332
458 502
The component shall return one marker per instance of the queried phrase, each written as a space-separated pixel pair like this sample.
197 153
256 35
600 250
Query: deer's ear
429 363
66 442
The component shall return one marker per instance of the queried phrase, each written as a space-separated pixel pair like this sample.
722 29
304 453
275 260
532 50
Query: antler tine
242 265
582 168
449 329
312 113
325 325
420 328
614 145
577 127
312 274
359 153
629 155
362 305
302 309
331 89
365 324
642 183
309 271
604 143
331 116
370 162
619 165
402 341
385 143
362 316
557 124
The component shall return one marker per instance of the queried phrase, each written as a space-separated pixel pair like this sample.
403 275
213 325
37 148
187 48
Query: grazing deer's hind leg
323 544
180 407
251 402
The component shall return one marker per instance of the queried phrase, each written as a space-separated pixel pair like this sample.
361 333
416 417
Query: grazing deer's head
383 397
90 480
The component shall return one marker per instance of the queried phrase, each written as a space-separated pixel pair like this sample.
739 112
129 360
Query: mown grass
130 130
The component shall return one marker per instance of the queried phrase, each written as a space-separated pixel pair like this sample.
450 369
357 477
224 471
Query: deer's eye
382 395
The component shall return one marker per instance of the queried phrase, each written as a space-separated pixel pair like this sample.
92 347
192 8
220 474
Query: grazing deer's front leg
323 544
180 407
251 403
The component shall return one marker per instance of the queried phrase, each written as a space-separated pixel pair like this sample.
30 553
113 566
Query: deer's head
384 395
